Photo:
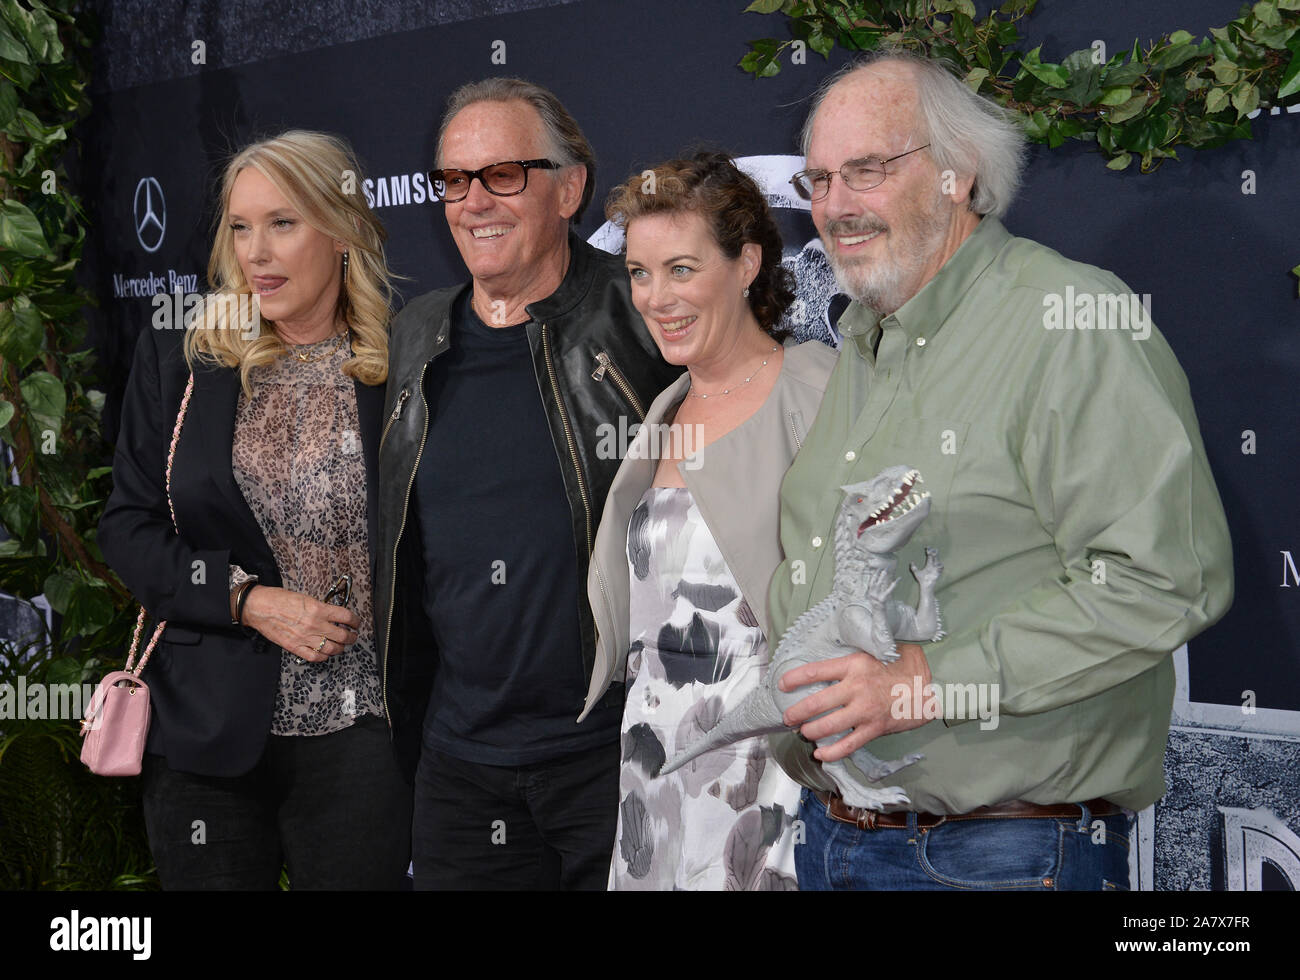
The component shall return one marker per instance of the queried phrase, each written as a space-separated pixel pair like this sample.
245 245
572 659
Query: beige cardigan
736 483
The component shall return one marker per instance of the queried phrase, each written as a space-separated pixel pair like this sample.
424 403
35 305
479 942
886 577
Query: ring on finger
321 646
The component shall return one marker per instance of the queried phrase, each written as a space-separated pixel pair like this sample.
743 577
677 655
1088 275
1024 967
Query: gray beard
878 287
883 287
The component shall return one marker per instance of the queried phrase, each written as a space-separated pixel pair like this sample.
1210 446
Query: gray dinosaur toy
875 520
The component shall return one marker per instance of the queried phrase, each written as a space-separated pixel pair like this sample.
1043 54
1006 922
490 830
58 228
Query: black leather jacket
595 363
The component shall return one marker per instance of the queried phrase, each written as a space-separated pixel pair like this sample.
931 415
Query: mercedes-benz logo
150 214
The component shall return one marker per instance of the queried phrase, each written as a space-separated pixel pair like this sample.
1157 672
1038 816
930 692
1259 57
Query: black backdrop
646 80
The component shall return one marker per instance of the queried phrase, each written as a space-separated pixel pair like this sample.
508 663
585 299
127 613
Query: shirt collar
925 313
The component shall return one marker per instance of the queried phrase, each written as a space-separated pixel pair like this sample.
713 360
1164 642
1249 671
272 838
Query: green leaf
1181 37
764 7
1080 60
1176 55
1143 134
963 28
1275 37
1128 110
58 590
1216 99
45 395
1296 272
1120 162
11 48
21 74
6 412
1037 125
1289 84
1245 98
1266 13
20 331
18 511
20 231
38 29
63 670
56 305
1084 87
90 609
820 43
1125 74
1116 96
1225 72
975 77
1053 75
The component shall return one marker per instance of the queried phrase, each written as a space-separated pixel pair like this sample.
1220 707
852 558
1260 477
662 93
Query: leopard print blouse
297 459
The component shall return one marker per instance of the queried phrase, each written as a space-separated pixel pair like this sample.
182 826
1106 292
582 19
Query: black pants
549 825
334 808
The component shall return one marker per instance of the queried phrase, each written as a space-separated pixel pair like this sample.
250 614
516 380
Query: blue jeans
1022 854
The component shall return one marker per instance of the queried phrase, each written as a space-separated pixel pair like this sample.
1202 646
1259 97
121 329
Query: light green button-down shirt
1074 511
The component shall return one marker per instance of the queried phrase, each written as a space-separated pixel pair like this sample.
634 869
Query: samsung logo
386 192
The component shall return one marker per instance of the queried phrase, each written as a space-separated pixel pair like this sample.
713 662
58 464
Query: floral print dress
724 821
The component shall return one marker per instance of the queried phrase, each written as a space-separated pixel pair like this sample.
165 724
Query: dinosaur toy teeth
903 500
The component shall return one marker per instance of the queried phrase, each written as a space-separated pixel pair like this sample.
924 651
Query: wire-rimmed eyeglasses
858 175
503 179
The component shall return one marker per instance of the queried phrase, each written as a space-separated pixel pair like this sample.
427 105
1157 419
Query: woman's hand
297 623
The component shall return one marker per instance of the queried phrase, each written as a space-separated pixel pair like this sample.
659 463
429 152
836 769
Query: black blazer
212 685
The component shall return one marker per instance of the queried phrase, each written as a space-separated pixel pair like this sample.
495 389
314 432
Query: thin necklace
728 391
298 350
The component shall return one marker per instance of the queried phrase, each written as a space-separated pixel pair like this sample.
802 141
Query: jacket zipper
606 363
568 434
397 411
392 597
794 431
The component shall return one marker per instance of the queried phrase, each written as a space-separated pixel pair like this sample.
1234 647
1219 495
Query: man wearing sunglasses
493 477
1072 505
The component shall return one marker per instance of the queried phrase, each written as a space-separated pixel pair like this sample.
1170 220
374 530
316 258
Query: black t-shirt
501 572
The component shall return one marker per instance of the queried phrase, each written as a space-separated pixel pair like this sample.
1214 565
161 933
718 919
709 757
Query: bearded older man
493 478
1080 529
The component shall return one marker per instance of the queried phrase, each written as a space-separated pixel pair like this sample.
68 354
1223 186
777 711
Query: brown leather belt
865 819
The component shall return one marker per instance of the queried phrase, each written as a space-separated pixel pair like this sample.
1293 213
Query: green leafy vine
1144 102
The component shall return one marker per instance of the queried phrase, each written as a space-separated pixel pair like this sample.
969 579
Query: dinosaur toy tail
756 715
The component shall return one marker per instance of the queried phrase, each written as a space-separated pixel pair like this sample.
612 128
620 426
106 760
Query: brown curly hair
710 184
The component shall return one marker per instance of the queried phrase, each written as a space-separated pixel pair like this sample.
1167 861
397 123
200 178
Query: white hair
968 134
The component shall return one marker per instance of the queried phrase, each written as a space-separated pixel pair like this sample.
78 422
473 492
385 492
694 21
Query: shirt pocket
932 446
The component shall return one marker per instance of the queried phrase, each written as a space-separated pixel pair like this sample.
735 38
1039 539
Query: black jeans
545 826
334 808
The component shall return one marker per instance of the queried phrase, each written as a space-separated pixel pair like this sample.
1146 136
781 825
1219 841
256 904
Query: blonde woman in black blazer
268 744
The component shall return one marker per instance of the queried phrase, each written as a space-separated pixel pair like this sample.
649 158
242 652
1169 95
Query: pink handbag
117 719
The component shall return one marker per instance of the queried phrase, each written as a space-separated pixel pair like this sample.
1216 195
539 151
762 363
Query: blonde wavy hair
319 176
